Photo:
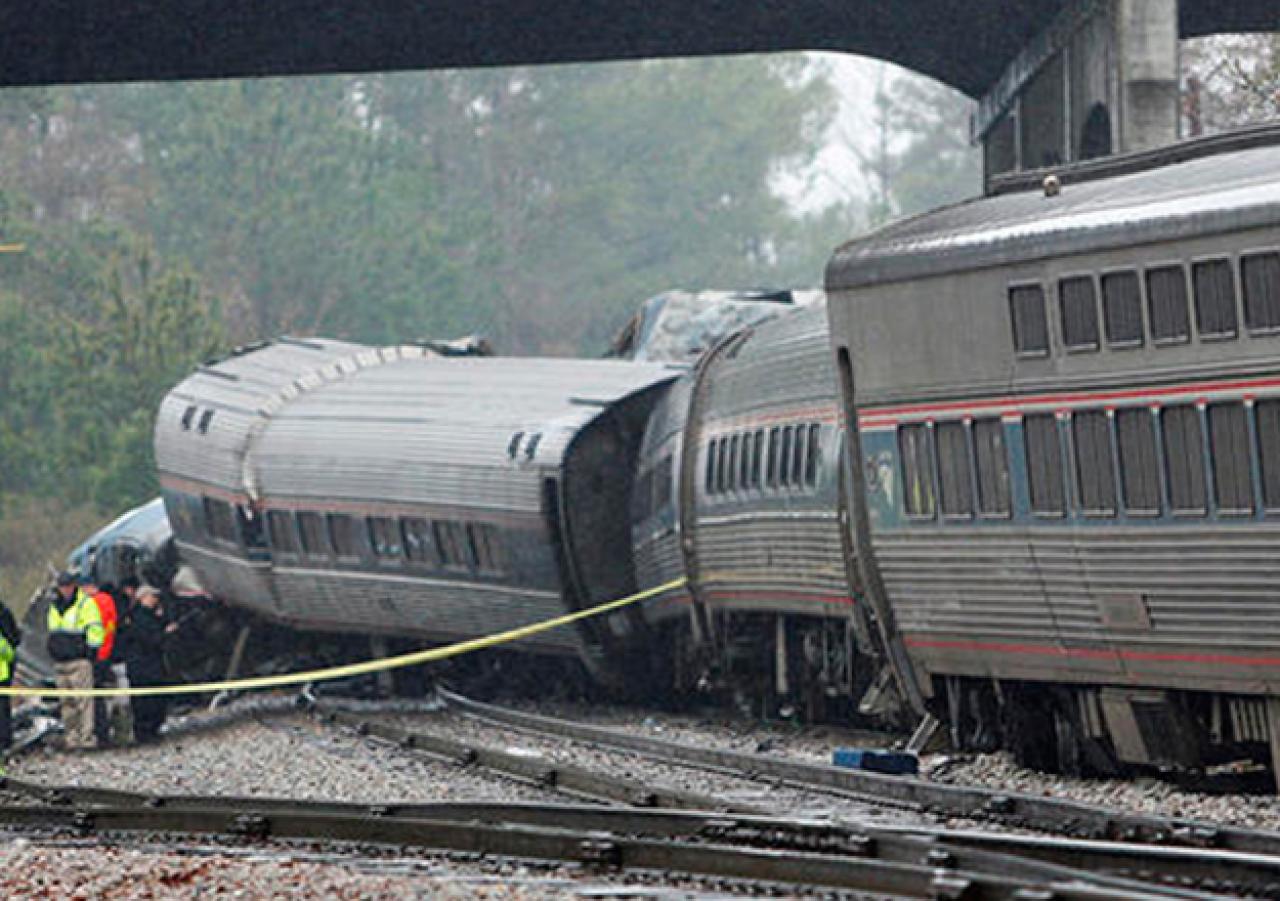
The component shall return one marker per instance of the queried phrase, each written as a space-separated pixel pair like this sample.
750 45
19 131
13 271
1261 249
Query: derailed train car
394 491
740 490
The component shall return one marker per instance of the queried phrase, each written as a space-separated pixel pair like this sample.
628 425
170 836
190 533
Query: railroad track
571 780
759 849
1043 814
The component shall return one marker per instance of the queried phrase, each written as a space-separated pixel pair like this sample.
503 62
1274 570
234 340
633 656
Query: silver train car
739 490
399 492
1065 410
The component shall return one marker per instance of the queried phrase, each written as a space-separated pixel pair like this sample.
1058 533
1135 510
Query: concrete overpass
1036 65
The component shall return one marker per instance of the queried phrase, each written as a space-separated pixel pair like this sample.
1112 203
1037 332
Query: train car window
710 485
219 521
344 537
916 452
1215 289
774 441
1044 465
188 415
745 463
1167 305
384 537
185 513
486 548
1268 413
798 451
1095 473
205 418
758 462
722 466
311 527
1229 454
1260 273
731 464
419 541
250 528
1184 459
1079 305
284 540
1122 309
811 459
992 459
451 539
784 458
1030 326
1139 473
955 470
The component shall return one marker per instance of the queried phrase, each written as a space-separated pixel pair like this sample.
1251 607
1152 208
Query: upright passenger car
1067 412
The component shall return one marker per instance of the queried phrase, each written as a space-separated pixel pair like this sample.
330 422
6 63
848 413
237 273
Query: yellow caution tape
353 669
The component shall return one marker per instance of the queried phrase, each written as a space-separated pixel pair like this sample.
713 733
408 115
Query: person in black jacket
149 633
10 636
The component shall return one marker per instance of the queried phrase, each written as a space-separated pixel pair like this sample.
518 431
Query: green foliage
95 339
584 189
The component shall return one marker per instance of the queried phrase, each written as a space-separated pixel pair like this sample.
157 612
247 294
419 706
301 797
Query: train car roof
442 430
1231 187
207 423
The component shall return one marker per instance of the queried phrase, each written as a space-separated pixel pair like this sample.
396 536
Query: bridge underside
963 43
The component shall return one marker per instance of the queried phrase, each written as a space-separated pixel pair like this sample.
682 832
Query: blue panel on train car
877 760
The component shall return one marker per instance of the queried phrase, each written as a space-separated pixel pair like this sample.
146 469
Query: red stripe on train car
1089 653
781 593
888 416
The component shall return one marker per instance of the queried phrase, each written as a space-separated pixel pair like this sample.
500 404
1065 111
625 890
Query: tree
93 341
1229 81
913 149
292 203
583 189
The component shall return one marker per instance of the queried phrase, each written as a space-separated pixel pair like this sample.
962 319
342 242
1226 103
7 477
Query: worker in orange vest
103 677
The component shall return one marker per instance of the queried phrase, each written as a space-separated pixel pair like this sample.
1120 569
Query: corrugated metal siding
433 609
1205 591
438 431
773 561
231 578
774 549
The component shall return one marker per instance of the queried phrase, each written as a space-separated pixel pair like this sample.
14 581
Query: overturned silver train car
398 492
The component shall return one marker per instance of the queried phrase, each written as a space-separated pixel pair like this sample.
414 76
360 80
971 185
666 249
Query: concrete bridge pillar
1147 39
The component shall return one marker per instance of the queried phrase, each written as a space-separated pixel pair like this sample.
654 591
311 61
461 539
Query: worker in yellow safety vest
10 635
75 634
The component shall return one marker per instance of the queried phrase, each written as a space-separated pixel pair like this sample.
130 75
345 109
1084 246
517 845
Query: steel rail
792 852
1054 815
567 778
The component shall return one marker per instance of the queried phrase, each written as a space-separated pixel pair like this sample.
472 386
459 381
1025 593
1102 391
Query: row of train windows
434 543
1215 286
1138 460
653 491
780 457
444 544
